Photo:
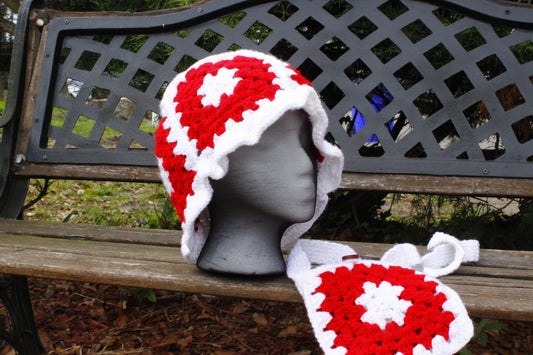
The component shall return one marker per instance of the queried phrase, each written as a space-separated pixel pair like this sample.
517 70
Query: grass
145 205
413 219
84 126
103 203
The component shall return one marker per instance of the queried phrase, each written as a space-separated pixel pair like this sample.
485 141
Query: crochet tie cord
219 104
392 306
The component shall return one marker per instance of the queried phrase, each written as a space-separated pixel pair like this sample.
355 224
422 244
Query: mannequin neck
243 240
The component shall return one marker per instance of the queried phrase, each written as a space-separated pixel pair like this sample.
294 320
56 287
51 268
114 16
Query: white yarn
381 301
212 163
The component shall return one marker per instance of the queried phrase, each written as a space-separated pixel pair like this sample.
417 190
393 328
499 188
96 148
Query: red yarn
180 178
424 320
319 157
205 122
299 78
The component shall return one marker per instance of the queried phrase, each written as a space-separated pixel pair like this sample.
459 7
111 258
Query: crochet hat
221 103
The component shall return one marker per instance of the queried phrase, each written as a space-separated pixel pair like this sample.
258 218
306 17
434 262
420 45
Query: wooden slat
162 267
91 232
138 272
90 172
495 302
499 259
85 248
28 105
448 185
488 258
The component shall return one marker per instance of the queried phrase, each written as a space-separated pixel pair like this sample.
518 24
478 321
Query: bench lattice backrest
410 87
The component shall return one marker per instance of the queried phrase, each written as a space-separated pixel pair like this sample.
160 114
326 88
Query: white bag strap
445 255
307 252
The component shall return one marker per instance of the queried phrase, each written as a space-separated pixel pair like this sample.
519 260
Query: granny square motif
219 104
368 307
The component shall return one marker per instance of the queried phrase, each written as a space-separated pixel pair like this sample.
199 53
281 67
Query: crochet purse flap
376 307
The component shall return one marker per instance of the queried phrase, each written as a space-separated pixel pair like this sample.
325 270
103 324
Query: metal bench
422 96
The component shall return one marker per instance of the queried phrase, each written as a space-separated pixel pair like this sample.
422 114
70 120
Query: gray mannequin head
242 138
268 186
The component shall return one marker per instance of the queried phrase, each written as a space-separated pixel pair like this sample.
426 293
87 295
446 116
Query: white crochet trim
328 256
212 163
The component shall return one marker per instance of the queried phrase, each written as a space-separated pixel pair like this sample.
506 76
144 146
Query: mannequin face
277 176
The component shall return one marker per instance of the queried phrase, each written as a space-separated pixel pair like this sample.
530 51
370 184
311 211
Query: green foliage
447 17
480 333
116 5
347 207
360 216
258 32
523 51
163 214
69 5
491 226
138 5
233 19
5 55
141 294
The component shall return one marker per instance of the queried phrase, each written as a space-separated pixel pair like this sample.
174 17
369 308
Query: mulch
83 318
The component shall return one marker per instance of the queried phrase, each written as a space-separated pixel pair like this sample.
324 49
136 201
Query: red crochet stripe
205 122
319 157
424 320
298 77
180 178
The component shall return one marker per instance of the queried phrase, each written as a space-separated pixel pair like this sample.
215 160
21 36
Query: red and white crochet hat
221 103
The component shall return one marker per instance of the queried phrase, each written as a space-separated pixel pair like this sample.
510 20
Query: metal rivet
44 156
507 12
20 158
47 55
200 9
39 22
67 21
485 171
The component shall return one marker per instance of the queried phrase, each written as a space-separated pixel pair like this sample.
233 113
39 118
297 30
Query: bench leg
21 332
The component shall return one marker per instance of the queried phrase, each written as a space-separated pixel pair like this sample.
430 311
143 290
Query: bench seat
499 286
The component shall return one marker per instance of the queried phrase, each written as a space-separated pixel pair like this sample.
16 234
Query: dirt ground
81 318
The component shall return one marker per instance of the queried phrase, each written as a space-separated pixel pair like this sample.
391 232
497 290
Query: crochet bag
392 306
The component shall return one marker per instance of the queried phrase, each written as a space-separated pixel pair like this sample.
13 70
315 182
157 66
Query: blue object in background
381 98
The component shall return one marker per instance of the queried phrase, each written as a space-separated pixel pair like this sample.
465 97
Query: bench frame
450 159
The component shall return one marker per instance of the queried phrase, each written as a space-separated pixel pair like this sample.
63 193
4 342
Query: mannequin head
268 186
242 139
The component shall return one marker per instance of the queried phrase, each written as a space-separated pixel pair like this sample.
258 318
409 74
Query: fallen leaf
122 321
260 319
290 330
241 307
184 342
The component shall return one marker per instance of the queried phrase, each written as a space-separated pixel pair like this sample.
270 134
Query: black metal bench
423 97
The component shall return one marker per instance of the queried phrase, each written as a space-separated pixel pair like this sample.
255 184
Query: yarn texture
368 307
392 306
219 104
